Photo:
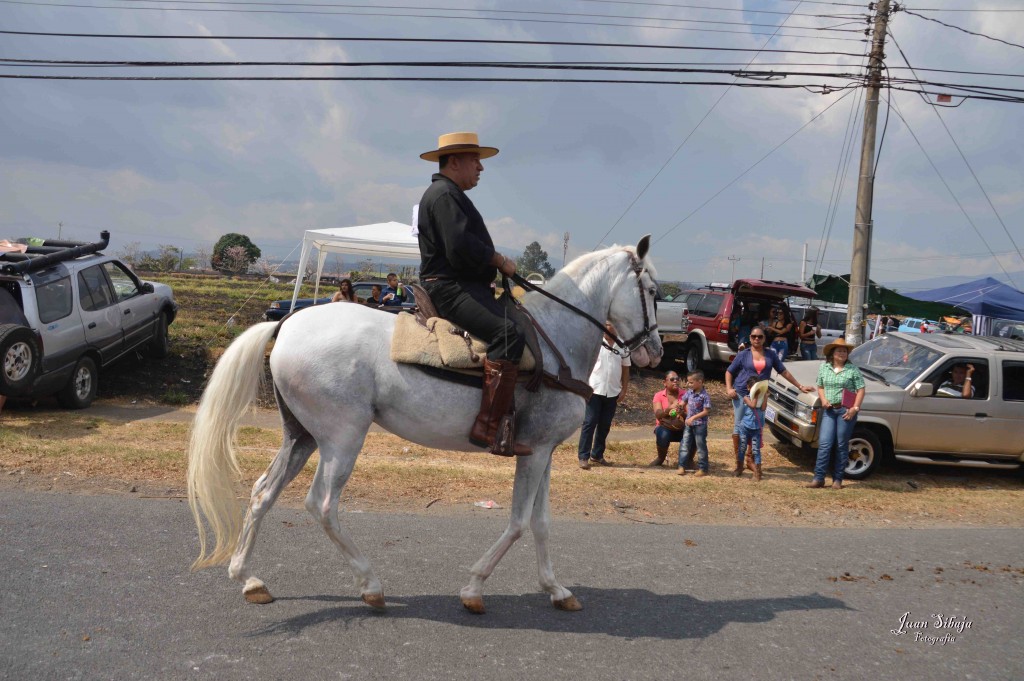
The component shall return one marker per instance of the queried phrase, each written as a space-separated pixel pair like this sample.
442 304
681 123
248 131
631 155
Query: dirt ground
79 453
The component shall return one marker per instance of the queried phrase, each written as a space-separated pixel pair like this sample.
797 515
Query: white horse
333 377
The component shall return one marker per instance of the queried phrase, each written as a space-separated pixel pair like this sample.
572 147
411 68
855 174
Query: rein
628 345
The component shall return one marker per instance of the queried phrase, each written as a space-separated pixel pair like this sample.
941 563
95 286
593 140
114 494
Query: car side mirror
146 287
923 390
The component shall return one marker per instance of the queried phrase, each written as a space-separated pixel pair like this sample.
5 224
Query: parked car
905 416
279 308
914 325
705 335
831 319
76 311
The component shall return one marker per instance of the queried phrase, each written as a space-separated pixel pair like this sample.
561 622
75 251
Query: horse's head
632 309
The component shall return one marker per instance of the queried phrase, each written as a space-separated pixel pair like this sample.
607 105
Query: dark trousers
472 307
596 424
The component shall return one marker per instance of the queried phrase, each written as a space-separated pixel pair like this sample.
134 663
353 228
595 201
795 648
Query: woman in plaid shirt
841 390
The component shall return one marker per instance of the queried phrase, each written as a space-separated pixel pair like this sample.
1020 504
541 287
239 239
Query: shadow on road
623 613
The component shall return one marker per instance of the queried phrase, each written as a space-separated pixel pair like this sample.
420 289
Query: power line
942 179
756 163
966 162
474 41
253 3
678 148
980 35
417 16
719 9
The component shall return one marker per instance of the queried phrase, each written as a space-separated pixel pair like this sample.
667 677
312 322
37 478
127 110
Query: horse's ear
643 247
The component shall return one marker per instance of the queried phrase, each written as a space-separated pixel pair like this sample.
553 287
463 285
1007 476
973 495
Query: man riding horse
458 265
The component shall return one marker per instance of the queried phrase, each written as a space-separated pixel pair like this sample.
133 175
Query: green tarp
834 289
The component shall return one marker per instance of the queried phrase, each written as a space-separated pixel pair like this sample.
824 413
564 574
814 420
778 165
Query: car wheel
160 346
865 454
80 390
693 355
20 359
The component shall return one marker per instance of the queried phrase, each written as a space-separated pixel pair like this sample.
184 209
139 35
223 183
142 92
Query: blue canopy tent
986 299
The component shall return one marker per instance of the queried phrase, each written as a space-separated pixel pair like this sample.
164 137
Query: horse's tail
213 472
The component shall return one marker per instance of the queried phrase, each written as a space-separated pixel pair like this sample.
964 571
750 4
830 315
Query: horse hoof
474 604
259 595
569 604
375 601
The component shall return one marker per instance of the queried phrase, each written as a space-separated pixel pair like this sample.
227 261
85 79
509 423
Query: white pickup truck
670 328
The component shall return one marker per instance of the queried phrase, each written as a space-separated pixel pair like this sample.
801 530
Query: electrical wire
718 9
951 192
417 16
252 3
980 35
679 148
756 163
966 162
453 41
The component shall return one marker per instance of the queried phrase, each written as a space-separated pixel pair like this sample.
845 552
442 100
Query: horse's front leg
529 474
540 524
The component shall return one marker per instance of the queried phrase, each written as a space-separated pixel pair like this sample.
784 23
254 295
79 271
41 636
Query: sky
731 182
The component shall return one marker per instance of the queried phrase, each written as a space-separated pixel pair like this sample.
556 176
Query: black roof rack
49 252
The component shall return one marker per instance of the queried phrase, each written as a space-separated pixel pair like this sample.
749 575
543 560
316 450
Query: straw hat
458 143
837 343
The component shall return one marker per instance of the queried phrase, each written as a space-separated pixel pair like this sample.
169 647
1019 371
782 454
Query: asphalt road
98 587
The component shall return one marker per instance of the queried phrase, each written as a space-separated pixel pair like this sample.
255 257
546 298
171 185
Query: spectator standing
779 331
669 422
752 423
345 293
809 332
695 434
754 361
841 390
610 381
393 293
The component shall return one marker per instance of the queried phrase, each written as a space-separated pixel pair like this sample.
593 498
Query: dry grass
81 453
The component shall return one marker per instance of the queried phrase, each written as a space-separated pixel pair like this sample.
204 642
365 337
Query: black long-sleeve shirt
454 241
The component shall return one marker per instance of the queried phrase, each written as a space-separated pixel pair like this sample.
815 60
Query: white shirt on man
606 378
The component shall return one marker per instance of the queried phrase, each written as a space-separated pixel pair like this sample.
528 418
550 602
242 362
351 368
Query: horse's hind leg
295 450
540 524
529 475
336 462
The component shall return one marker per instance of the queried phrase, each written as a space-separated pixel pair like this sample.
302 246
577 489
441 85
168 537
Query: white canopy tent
391 239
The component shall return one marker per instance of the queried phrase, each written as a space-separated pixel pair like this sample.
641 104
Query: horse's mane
590 269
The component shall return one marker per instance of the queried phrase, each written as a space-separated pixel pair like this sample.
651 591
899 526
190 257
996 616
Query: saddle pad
440 344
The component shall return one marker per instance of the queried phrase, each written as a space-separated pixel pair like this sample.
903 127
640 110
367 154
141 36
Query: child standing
751 422
698 407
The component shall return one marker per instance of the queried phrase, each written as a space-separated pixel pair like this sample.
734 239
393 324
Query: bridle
629 345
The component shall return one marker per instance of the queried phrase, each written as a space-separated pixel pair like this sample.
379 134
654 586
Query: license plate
769 414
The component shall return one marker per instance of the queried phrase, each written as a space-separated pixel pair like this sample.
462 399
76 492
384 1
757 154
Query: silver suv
904 414
66 310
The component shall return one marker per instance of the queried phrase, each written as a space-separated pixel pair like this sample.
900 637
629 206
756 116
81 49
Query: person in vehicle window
959 384
375 299
393 293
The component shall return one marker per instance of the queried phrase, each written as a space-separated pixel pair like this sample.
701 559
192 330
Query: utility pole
762 268
60 229
734 260
803 265
565 247
860 264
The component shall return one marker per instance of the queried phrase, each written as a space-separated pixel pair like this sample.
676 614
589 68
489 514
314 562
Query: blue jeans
664 436
834 432
694 437
596 424
753 436
808 351
781 348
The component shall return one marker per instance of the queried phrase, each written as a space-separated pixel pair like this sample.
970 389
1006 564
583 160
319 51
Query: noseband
628 345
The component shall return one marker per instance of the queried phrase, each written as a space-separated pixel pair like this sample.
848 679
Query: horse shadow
623 613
